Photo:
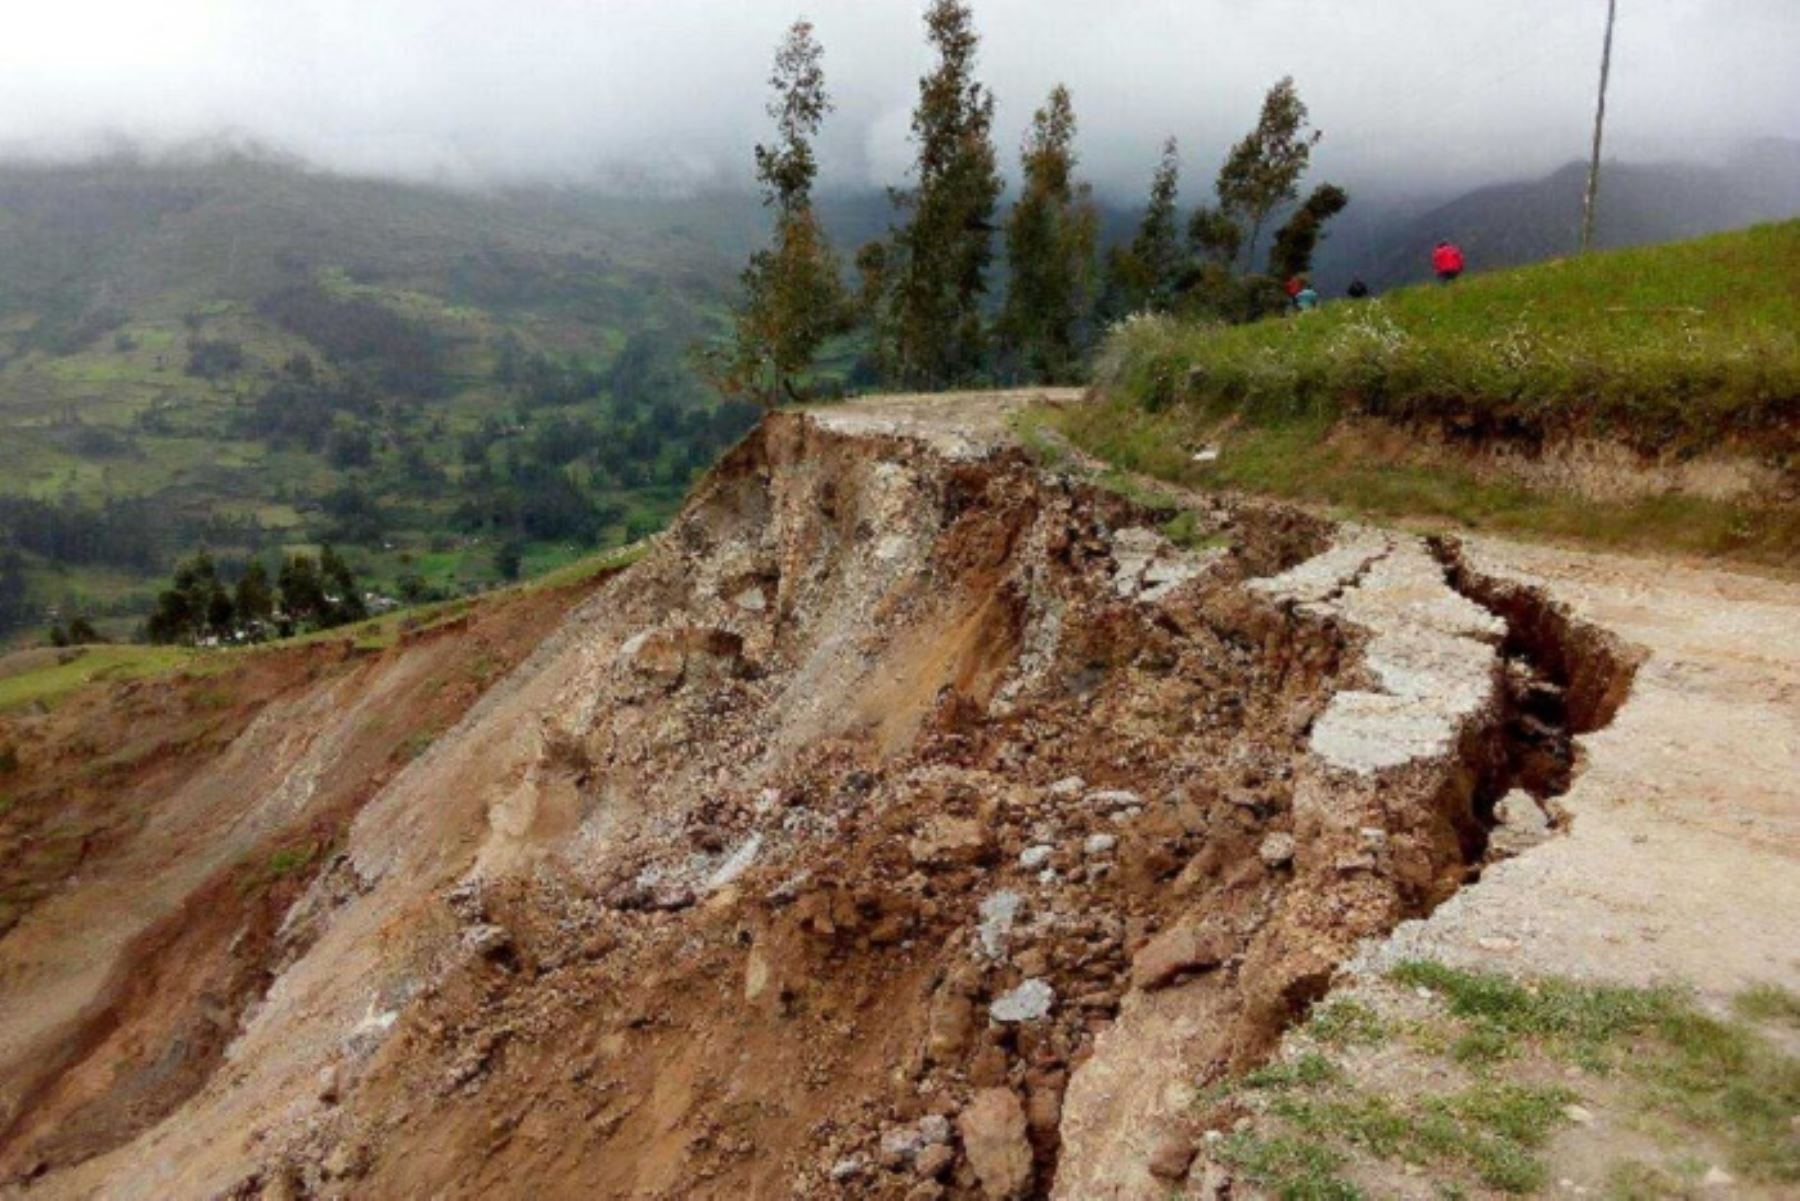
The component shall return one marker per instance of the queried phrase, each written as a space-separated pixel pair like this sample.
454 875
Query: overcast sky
1438 93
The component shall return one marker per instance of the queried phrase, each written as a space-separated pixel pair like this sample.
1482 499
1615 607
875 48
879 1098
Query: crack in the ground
1563 677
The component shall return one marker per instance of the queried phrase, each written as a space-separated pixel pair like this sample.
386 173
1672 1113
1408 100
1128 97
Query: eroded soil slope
908 823
157 833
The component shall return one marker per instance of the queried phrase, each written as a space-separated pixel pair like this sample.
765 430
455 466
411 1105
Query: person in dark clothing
1447 260
1358 289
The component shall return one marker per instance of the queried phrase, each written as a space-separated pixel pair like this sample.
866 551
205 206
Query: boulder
993 1135
1188 946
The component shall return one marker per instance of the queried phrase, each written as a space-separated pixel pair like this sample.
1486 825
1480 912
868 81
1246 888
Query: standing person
1293 286
1447 260
1358 290
1306 299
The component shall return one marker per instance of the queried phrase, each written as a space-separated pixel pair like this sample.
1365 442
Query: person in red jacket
1447 260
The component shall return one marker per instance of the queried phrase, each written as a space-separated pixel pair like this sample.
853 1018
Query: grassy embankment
1393 408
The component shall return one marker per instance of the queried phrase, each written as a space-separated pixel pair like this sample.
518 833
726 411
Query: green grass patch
1769 1003
278 866
49 683
1580 1021
416 744
1292 1169
1708 1075
1681 344
1341 1022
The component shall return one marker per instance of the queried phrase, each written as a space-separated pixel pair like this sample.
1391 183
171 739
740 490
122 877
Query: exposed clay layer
902 805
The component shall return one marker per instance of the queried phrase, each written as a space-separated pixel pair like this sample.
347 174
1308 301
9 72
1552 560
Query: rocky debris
951 842
1519 825
1189 946
1277 850
1029 1002
1069 788
994 1138
1149 566
1036 857
672 656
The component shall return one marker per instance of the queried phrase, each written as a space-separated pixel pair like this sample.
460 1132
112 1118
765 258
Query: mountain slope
1527 221
249 355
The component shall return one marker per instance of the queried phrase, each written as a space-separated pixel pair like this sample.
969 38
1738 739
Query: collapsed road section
908 823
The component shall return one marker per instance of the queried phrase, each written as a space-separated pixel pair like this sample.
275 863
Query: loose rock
1187 947
1174 1152
1027 1003
993 1134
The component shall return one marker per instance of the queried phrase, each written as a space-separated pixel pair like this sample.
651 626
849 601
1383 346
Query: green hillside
1673 351
248 356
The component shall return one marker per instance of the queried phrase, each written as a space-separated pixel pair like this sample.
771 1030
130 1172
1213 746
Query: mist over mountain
1505 225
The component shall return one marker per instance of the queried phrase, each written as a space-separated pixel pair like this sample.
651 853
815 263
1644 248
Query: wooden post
1593 179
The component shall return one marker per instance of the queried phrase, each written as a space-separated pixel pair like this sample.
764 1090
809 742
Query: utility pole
1593 180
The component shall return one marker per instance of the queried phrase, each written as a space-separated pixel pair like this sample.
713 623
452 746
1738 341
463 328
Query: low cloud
1411 93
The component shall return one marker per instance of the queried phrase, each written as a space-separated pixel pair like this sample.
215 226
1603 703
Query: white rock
998 912
1578 1114
735 864
1027 1003
1100 844
1277 849
1034 857
1717 1177
934 1128
1066 789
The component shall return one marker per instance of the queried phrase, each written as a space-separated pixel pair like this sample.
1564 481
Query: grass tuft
1768 1003
1345 1023
1292 1169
